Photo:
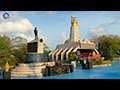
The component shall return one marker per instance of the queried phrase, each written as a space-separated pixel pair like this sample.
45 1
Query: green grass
101 62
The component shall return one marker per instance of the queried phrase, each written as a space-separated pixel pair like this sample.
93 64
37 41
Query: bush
72 57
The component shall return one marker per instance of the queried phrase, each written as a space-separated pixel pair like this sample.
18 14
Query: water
106 72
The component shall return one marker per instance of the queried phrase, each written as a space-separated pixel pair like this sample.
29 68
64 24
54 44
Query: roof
68 45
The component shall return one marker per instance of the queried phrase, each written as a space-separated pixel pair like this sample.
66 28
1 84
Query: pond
106 72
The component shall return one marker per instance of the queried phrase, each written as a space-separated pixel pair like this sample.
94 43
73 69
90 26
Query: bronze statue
35 32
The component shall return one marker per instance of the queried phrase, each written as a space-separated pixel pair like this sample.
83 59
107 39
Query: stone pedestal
37 57
7 75
35 52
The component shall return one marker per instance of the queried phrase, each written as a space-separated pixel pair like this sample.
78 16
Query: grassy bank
101 62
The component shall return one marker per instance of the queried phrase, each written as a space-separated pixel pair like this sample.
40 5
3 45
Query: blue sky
54 26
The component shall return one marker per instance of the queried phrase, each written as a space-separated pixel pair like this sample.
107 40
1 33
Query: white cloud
99 31
31 13
57 37
49 45
28 37
22 26
49 13
52 12
61 37
40 31
109 23
118 16
17 26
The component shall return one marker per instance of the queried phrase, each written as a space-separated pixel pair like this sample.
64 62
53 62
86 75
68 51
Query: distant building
61 53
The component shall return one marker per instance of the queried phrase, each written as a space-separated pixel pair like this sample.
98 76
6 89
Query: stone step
26 72
24 75
30 67
33 64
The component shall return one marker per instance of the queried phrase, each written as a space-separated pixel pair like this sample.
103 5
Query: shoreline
102 65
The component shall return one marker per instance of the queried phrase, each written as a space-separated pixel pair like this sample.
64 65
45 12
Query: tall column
54 54
68 53
58 54
74 34
51 53
63 53
96 51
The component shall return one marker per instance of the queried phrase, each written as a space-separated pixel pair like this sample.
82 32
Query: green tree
5 50
107 46
46 47
20 47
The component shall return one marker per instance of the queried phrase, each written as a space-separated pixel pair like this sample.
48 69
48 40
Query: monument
73 44
74 31
35 52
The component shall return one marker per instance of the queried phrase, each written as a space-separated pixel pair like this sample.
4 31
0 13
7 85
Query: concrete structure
35 52
61 53
29 69
74 32
58 54
74 35
35 46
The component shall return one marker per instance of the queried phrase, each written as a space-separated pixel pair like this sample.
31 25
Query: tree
46 47
107 46
5 50
20 47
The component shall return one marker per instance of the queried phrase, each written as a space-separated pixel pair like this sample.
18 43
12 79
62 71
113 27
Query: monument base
7 75
56 70
36 57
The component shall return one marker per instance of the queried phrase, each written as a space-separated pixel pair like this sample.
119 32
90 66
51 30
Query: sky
54 26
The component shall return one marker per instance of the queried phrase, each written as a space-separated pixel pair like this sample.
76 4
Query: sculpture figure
35 32
74 23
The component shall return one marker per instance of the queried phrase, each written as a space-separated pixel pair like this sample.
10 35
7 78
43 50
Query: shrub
72 57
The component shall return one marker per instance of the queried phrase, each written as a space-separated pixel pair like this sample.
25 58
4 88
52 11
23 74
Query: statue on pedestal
35 32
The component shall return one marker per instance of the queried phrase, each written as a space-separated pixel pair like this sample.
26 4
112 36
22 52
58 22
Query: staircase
32 69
